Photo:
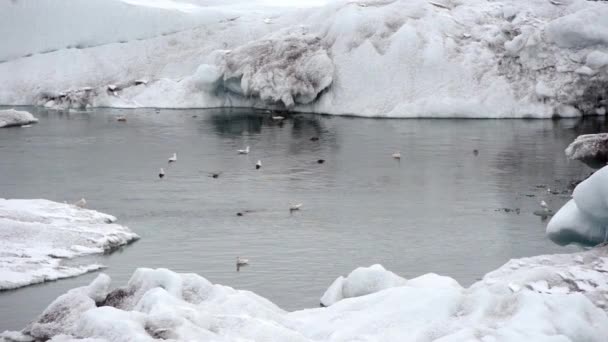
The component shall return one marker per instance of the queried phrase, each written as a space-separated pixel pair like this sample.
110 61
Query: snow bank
584 219
403 58
545 298
11 117
37 237
591 149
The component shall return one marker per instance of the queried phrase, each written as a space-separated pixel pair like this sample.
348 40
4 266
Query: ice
400 58
591 149
558 298
11 117
584 219
39 237
360 282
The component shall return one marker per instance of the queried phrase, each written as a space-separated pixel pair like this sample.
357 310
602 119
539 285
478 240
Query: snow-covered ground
400 58
39 239
545 298
11 117
583 219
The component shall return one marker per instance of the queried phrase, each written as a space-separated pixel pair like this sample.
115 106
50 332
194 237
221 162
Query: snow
558 298
583 219
403 58
591 149
11 117
38 239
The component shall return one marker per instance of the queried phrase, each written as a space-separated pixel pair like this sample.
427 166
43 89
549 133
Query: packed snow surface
11 117
38 239
583 219
395 58
544 298
591 149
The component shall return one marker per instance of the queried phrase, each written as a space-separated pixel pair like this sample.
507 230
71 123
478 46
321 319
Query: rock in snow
583 219
558 298
591 149
402 58
37 236
11 117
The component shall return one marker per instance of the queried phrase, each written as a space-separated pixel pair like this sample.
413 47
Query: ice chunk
286 70
591 149
11 117
36 236
597 60
591 195
433 281
360 282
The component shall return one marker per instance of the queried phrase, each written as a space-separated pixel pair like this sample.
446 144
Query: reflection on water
440 209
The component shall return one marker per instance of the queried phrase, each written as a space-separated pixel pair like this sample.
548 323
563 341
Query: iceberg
402 58
544 298
591 149
11 117
583 219
38 237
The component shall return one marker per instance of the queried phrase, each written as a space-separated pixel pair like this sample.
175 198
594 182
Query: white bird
81 203
294 207
544 205
397 155
241 261
245 151
173 158
278 118
161 173
267 21
258 165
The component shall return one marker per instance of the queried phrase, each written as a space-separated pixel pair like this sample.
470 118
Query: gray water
434 211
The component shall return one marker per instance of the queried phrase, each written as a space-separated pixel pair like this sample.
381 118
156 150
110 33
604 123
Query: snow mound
402 58
37 237
545 298
591 149
583 219
11 117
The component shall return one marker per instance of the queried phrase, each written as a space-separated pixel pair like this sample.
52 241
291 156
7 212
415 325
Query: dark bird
321 161
258 165
161 173
475 152
314 139
214 174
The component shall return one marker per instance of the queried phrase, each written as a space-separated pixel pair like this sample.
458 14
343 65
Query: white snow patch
38 236
11 117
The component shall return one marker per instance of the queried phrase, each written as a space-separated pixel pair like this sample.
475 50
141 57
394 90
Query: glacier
543 298
387 58
40 240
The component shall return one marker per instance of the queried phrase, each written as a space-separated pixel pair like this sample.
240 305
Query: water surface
434 211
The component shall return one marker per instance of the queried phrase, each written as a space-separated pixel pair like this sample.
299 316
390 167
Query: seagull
258 165
161 173
397 155
241 261
214 174
245 151
81 203
294 207
173 158
544 205
278 118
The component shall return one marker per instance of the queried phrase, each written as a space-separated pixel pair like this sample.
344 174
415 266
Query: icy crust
11 117
544 298
591 149
403 58
583 219
37 237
